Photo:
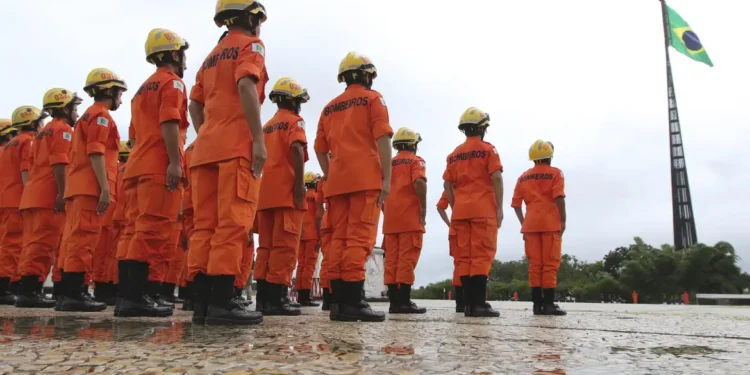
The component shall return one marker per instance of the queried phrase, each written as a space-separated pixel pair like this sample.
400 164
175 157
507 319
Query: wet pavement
592 339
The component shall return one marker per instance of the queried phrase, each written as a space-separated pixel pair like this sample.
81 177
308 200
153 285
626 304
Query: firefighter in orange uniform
118 225
186 287
309 246
14 162
458 290
281 202
404 219
473 184
325 244
42 204
355 128
542 189
90 187
227 161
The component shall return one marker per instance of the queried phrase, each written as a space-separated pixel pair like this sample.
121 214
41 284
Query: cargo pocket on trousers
90 222
556 252
371 211
246 184
490 234
417 242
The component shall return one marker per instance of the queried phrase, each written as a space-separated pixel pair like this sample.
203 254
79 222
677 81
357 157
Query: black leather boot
468 295
58 292
123 276
393 297
76 297
550 307
111 294
458 291
202 289
167 292
154 291
305 299
337 289
536 298
137 302
275 305
353 308
186 293
285 298
240 299
223 310
6 297
260 295
481 309
31 294
326 305
406 306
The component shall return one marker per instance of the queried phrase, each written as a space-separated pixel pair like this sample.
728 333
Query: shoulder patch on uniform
178 85
422 163
102 121
257 47
562 175
382 100
494 149
67 136
301 124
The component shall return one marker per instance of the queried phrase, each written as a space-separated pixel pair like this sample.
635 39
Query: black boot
304 298
468 295
275 305
240 299
137 302
154 292
260 295
536 298
550 308
111 294
459 293
393 297
101 292
187 296
6 297
15 288
167 293
406 306
337 290
202 289
31 294
58 292
76 297
285 298
223 310
481 309
353 308
326 306
123 283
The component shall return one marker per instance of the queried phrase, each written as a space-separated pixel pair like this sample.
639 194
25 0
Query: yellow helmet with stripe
59 98
541 150
356 62
5 127
474 117
406 137
288 88
25 115
161 42
124 148
311 178
227 11
101 79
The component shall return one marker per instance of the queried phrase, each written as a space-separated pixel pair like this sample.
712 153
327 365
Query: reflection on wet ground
593 339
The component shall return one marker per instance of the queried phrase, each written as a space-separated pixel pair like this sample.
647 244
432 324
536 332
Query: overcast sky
588 75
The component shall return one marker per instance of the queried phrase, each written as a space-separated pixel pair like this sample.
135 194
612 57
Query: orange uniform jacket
50 147
470 167
13 161
538 187
95 133
310 219
443 203
402 205
224 134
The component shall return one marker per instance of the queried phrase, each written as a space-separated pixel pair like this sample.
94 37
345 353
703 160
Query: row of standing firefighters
115 214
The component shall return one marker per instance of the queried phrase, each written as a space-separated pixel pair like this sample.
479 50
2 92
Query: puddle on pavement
673 350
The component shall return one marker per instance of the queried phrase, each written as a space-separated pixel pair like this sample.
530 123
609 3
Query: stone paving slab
592 339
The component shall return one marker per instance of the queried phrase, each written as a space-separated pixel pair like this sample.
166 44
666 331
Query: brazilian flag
684 39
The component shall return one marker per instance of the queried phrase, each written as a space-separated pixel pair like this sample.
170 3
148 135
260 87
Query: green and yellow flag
684 39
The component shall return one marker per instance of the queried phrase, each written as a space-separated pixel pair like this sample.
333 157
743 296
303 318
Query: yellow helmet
25 115
541 150
355 61
406 136
160 41
225 9
288 87
59 98
474 117
101 79
124 148
5 126
311 178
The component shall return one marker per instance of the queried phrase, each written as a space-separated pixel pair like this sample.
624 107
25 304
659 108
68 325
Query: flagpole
683 221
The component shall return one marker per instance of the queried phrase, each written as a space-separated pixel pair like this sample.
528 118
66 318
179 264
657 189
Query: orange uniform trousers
543 250
453 248
113 272
156 210
325 245
307 259
476 241
176 256
248 255
41 241
81 233
102 254
402 252
279 231
354 219
225 196
187 229
11 242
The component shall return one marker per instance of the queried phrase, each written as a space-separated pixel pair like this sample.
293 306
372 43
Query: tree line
658 275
